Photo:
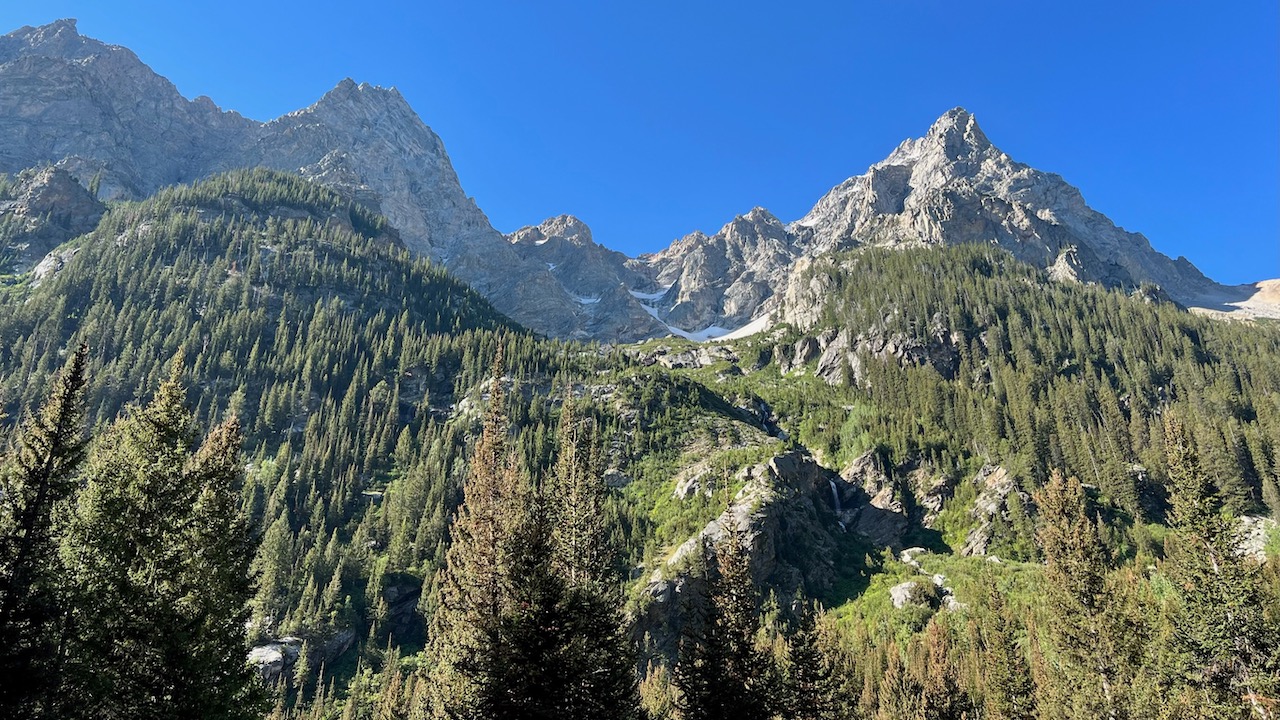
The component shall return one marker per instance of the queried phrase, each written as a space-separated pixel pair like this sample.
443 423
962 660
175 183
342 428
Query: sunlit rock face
100 113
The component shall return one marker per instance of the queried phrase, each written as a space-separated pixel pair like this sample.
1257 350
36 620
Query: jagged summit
98 111
957 134
348 91
59 38
566 228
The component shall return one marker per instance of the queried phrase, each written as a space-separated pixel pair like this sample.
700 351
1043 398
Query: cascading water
835 495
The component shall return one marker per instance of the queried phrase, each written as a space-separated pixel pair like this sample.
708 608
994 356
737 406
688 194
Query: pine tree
35 484
900 690
1075 576
598 658
1231 648
1007 680
811 685
466 627
721 674
158 559
941 697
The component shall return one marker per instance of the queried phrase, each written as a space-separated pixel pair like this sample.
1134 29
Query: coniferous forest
259 461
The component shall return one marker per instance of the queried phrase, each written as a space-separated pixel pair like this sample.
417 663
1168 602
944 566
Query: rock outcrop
46 207
790 509
995 484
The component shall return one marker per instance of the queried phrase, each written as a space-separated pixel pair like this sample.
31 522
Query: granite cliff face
96 111
42 209
953 186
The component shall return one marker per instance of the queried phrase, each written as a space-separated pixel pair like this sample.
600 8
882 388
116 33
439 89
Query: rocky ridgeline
97 111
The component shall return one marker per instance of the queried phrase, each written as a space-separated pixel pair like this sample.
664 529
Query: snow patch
712 332
551 266
649 296
760 324
584 300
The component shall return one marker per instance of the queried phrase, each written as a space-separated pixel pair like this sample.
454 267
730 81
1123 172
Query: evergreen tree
941 697
467 639
35 484
1075 577
598 658
720 674
158 558
811 691
1007 680
1231 649
900 690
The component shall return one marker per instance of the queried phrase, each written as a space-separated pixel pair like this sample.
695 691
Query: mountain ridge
99 112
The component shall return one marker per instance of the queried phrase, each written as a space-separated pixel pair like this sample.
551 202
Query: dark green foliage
812 690
720 673
158 556
1076 566
1230 649
36 483
1047 375
1010 694
597 658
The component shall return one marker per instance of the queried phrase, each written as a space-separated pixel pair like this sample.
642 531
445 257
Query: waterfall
835 495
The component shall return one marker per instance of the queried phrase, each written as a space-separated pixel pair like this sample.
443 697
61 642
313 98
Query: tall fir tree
721 674
599 659
36 482
811 685
469 645
158 557
1230 648
1009 692
1076 563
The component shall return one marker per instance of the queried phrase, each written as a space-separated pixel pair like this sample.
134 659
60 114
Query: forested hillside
947 487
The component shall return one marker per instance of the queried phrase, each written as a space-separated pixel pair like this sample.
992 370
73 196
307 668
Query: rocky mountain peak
562 227
758 217
349 92
956 135
57 39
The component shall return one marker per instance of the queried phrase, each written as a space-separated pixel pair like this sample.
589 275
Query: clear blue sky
652 119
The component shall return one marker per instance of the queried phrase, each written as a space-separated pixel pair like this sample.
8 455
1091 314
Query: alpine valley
292 431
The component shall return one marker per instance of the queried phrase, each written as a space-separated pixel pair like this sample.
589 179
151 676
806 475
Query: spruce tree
1075 577
1231 649
941 697
598 657
811 685
158 559
36 482
720 674
1007 679
471 629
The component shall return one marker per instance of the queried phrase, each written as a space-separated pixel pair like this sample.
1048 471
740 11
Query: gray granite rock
97 111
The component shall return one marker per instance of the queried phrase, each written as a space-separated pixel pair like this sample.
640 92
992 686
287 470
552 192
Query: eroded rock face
877 511
995 485
785 510
954 186
49 207
1252 533
726 279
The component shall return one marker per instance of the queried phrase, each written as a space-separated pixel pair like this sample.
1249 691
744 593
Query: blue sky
650 120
